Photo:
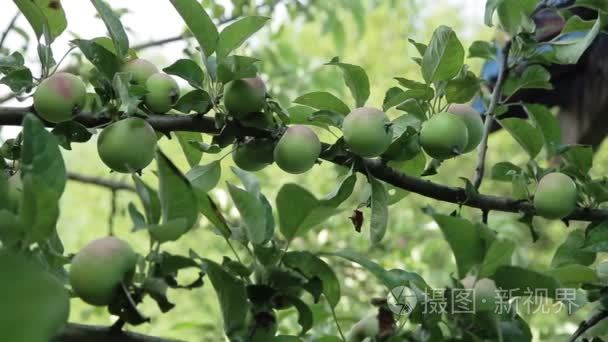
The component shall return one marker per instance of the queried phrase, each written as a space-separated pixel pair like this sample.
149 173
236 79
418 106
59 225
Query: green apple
367 132
444 136
555 196
472 119
141 70
244 97
60 97
297 150
127 145
254 155
100 267
34 304
163 93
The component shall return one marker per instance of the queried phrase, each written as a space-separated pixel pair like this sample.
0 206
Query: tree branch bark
489 116
197 123
103 182
79 332
588 324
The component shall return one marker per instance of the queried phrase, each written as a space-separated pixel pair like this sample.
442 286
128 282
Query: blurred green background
372 34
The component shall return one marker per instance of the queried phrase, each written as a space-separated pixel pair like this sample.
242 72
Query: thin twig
588 324
103 182
9 28
489 116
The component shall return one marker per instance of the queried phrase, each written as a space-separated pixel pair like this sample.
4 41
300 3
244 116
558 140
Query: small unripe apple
367 132
366 327
162 94
472 119
60 97
444 136
100 267
244 97
141 70
254 155
297 150
555 196
34 304
128 145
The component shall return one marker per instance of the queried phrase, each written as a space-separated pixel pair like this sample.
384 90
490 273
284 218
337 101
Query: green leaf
312 266
571 251
521 281
197 101
103 59
41 13
41 156
497 255
482 49
379 206
168 231
534 77
235 34
188 70
211 211
596 237
4 195
444 57
572 52
574 275
356 80
18 80
525 134
542 118
232 296
39 209
193 154
305 318
69 132
462 88
505 171
294 203
579 156
236 67
323 100
117 32
177 198
205 177
252 213
515 17
326 118
11 229
120 85
199 23
149 199
464 239
390 279
421 48
342 192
